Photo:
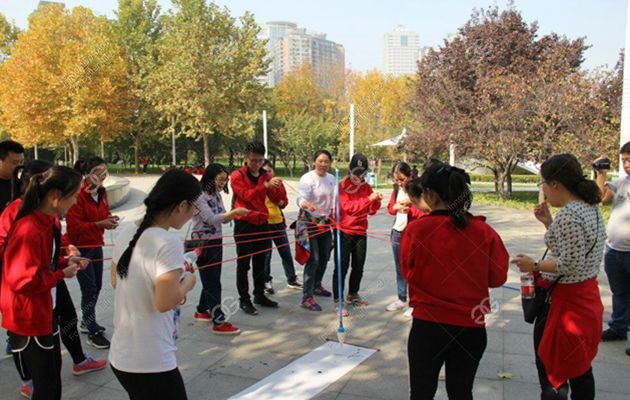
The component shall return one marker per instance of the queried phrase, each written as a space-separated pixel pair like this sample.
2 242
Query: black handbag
537 307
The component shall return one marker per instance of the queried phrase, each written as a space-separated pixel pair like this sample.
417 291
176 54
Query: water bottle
190 260
528 289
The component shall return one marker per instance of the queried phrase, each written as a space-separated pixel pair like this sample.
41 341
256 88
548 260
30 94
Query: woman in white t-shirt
151 285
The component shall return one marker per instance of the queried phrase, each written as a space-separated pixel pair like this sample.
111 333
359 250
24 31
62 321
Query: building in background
401 52
289 47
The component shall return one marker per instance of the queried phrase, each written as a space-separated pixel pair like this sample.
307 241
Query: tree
206 76
137 29
499 93
8 36
64 80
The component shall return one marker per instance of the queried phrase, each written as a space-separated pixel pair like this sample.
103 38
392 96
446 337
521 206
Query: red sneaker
88 365
225 329
26 390
203 317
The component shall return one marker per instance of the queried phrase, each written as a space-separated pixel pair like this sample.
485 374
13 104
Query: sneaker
269 288
98 340
611 336
297 285
26 389
408 313
225 329
356 300
83 328
628 351
320 291
310 304
88 365
345 310
265 301
395 306
248 307
202 316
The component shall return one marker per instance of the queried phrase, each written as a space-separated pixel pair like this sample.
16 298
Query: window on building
403 41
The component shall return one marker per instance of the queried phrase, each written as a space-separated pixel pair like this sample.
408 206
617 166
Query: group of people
446 260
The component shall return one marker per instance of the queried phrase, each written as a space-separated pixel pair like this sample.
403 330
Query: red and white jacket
355 206
251 196
413 214
82 217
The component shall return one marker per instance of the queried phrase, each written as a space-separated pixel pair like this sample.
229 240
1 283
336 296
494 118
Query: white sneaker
397 305
269 288
408 313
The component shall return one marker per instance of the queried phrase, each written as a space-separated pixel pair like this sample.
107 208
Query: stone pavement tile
522 367
614 353
612 377
510 322
495 341
515 390
374 378
490 364
519 343
101 393
211 385
194 356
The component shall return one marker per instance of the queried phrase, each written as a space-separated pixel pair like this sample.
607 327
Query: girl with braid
150 286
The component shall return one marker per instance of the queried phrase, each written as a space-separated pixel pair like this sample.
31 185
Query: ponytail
451 185
122 268
566 169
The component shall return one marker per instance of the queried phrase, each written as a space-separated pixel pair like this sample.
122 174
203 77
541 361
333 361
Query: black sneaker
611 336
265 301
98 340
248 307
628 351
83 328
269 288
297 285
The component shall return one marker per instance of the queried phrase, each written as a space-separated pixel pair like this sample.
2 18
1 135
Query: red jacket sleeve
282 197
390 205
498 262
76 220
30 269
276 195
374 206
414 212
240 189
406 252
351 204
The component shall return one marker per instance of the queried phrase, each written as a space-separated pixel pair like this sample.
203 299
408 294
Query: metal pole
351 130
265 134
35 151
173 147
624 135
451 154
102 149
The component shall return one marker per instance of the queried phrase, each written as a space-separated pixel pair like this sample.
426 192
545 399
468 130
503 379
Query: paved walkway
216 367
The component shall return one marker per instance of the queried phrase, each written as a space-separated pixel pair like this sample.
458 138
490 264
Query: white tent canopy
391 141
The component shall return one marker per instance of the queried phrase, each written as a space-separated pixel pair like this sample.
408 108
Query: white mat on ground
305 377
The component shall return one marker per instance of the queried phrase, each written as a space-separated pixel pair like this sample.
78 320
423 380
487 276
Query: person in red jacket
87 221
250 186
31 271
449 259
357 201
401 205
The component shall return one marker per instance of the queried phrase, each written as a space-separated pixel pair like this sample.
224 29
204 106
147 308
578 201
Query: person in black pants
354 246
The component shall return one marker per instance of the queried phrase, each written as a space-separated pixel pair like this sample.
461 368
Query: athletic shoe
310 304
202 316
248 307
628 351
397 305
611 336
26 390
296 284
345 310
408 313
83 328
356 300
269 288
98 340
225 329
264 301
88 365
320 291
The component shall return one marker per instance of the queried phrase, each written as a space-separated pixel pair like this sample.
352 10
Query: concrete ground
217 367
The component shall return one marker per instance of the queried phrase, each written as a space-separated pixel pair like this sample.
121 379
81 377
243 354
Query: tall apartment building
289 47
401 52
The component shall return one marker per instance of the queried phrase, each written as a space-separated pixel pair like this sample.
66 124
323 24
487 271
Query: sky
361 24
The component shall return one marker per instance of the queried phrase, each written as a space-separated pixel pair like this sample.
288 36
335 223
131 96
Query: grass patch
523 200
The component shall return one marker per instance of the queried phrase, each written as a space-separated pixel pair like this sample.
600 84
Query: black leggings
355 246
151 386
432 344
41 356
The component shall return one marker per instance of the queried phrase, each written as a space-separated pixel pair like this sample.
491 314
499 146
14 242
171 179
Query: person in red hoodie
449 258
250 186
357 201
31 270
86 221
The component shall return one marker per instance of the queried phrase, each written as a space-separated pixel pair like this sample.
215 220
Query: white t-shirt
618 234
144 338
318 190
400 222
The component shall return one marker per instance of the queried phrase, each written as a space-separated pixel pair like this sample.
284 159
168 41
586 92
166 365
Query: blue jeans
90 280
401 284
617 266
316 265
210 297
280 239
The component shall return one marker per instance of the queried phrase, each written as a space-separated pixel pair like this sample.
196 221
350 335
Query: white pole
265 134
624 135
173 147
65 154
35 148
351 130
451 154
102 149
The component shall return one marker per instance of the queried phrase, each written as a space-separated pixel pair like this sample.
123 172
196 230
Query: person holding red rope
357 201
251 185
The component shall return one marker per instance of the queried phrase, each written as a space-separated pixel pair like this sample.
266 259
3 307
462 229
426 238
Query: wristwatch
537 266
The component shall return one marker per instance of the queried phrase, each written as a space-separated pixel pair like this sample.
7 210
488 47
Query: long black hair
208 177
400 167
86 167
451 185
169 191
23 174
566 169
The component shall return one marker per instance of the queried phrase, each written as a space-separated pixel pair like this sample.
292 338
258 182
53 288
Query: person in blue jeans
277 229
617 258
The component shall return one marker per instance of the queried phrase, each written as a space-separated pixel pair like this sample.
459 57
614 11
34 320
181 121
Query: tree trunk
74 143
502 174
206 153
136 146
231 159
